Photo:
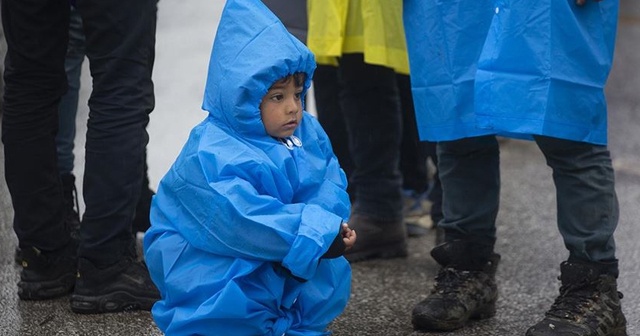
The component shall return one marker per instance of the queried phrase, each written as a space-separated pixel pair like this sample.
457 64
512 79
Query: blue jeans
585 191
120 42
69 102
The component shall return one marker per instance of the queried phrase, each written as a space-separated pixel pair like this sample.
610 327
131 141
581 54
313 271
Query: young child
249 224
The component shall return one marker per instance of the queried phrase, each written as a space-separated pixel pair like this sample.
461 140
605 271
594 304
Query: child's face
281 108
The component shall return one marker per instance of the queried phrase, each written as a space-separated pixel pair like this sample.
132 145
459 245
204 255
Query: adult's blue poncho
240 221
510 67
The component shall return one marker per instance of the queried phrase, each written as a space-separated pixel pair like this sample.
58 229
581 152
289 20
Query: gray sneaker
588 305
458 295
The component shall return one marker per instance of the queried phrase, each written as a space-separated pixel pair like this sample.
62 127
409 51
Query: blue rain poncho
240 221
515 68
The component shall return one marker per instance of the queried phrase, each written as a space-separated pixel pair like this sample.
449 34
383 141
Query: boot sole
387 251
484 312
620 332
45 290
110 303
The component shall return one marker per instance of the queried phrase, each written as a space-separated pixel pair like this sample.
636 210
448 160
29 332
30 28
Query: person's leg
586 198
36 35
413 166
326 92
465 286
370 103
69 101
322 298
587 219
413 152
231 290
67 125
435 193
67 118
65 138
469 171
3 52
141 222
120 43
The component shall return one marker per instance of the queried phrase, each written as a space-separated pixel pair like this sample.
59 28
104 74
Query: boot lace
450 280
575 299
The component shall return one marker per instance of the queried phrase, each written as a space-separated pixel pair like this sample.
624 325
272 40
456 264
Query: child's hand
348 236
340 246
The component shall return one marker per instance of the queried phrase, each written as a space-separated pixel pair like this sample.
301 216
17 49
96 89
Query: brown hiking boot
461 292
588 305
382 239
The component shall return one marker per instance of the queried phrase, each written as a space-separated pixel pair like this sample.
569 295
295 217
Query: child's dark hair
298 78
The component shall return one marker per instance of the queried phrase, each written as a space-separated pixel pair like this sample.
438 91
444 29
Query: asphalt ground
383 291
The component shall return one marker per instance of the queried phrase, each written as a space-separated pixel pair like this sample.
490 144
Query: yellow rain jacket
372 27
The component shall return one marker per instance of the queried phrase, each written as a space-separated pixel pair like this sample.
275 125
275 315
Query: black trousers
370 102
413 152
120 43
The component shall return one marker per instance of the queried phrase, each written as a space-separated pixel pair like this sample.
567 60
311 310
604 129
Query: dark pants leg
435 193
470 174
586 197
413 152
69 102
326 92
120 42
371 106
36 34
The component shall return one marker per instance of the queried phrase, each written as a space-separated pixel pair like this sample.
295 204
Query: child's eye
298 95
277 97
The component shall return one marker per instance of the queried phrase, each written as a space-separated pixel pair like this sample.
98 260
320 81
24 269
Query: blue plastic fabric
514 68
239 213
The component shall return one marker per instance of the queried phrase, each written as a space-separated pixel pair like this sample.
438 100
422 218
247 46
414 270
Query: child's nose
292 106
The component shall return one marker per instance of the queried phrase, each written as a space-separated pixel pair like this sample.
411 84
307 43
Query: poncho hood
238 76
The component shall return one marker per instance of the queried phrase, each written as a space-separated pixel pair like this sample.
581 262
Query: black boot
464 288
377 239
47 274
588 305
124 286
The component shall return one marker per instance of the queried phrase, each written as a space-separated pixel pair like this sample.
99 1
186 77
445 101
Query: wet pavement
384 292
